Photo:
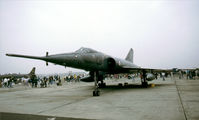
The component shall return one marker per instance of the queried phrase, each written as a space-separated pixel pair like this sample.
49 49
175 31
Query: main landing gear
144 80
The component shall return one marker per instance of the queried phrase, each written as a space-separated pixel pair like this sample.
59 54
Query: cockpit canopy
85 50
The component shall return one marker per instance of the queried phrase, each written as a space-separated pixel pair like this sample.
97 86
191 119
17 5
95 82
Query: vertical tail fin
129 57
32 72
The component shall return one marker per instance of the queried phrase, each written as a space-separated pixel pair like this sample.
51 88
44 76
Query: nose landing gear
96 91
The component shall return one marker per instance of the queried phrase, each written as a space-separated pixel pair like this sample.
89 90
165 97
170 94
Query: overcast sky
163 33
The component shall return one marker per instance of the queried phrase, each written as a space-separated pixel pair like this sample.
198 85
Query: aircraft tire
120 85
145 84
96 93
93 93
125 84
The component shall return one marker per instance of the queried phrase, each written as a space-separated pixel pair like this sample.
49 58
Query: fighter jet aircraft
97 63
15 76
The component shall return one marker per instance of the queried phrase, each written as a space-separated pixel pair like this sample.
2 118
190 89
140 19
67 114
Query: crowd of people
43 82
39 81
6 82
189 74
35 81
73 78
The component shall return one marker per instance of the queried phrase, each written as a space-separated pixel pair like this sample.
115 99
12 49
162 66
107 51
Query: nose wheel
96 93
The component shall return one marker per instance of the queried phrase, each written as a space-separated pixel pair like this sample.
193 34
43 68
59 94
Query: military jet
16 76
98 64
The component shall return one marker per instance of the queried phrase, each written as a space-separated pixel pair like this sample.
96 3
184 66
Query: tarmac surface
173 99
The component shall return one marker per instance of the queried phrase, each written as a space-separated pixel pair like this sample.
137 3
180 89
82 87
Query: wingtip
9 54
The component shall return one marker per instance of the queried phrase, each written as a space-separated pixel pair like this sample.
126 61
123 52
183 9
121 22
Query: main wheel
120 85
97 93
94 93
125 84
104 84
145 84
